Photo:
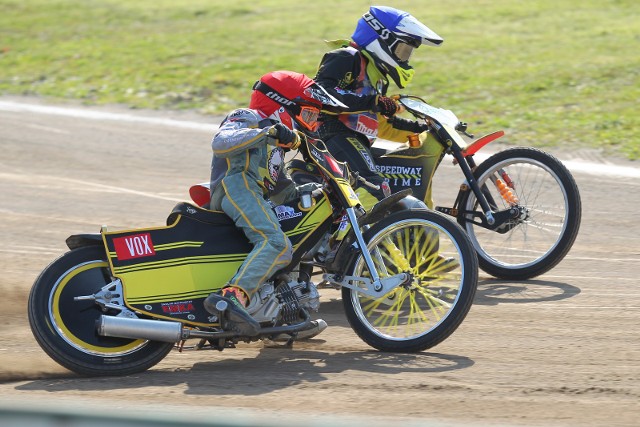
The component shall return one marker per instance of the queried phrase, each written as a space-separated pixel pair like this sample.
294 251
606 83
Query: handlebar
419 108
462 127
367 183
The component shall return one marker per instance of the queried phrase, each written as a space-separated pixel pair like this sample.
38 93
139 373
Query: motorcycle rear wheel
426 311
551 201
66 329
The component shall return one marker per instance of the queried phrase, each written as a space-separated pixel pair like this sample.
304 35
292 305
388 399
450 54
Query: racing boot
230 307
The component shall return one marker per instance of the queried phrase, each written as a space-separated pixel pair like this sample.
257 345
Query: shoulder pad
243 115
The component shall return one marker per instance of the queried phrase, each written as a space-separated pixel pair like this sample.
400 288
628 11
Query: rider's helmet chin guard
292 98
390 35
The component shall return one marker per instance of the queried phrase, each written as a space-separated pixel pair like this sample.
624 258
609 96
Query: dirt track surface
560 350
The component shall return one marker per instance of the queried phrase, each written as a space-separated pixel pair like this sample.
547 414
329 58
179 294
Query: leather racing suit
350 74
245 168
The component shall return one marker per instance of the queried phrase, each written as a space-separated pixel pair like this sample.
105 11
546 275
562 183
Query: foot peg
232 318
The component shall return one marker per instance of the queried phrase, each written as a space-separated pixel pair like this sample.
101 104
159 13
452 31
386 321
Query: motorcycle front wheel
550 206
443 268
66 328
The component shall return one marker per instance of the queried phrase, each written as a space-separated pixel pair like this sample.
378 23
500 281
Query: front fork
491 219
374 286
467 164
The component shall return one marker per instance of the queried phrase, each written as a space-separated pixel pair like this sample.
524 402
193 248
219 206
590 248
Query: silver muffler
141 329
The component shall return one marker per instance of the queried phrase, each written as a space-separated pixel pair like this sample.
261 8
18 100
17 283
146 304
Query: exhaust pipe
166 331
141 329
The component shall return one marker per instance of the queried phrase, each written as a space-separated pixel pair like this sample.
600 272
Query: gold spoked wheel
426 309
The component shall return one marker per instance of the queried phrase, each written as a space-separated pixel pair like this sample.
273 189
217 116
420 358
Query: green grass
560 73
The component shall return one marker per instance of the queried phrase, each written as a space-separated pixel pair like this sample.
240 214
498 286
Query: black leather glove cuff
284 134
408 125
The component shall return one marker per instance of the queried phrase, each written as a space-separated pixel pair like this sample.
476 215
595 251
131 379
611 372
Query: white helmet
390 35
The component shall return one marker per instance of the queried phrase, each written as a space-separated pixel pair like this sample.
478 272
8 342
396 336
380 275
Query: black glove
285 136
423 127
387 106
408 125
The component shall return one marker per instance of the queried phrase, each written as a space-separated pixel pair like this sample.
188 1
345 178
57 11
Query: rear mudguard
402 200
81 240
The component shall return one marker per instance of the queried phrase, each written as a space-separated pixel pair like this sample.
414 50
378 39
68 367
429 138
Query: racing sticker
364 123
285 212
182 307
274 164
134 246
401 176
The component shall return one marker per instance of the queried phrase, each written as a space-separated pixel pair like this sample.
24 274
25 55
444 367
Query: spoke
412 309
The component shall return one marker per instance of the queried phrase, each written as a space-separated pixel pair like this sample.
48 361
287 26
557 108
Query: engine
282 304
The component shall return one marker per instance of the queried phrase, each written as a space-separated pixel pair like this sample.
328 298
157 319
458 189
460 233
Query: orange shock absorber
506 192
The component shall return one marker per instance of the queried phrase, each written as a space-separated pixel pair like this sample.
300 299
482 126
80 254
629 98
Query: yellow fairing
312 219
348 192
429 155
181 278
177 267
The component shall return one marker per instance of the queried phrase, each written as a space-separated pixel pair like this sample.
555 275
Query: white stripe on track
573 165
98 115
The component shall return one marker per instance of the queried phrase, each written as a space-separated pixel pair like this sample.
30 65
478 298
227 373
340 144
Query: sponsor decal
191 210
286 212
280 99
318 95
399 170
349 92
346 80
237 113
182 307
274 164
352 195
344 223
367 125
401 176
367 158
362 123
135 246
386 190
376 25
267 184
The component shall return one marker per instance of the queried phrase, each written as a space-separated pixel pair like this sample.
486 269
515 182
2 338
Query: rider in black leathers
357 73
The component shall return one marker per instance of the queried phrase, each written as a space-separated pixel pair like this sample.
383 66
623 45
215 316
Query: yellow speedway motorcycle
520 207
119 301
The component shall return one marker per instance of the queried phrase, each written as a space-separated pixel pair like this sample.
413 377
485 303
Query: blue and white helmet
390 35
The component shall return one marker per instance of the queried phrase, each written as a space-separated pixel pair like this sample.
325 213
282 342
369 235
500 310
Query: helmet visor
402 51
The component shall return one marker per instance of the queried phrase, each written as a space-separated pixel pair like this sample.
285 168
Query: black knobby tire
550 196
66 329
423 313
